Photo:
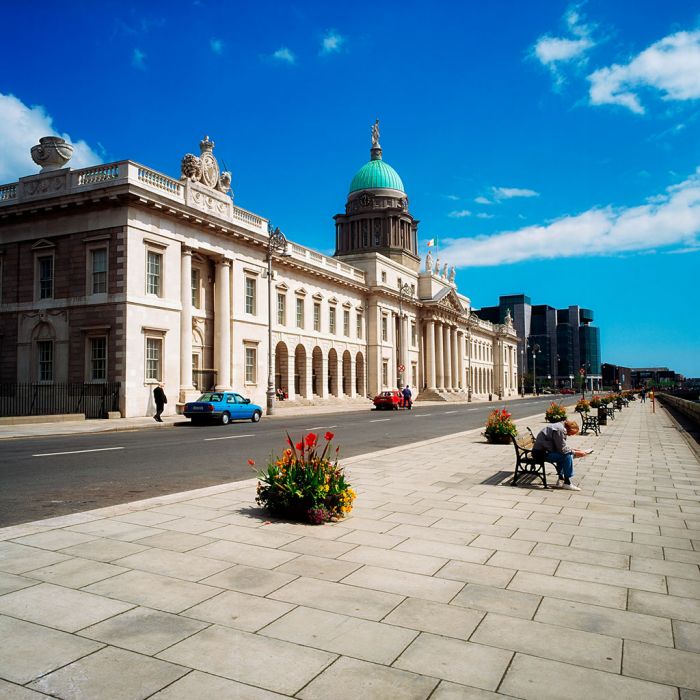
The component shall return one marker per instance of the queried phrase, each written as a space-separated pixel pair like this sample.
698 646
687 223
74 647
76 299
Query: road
44 477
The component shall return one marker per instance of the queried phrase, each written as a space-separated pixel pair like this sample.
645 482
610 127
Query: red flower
251 462
310 439
299 446
329 436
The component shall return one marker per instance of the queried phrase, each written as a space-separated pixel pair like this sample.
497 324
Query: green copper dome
376 174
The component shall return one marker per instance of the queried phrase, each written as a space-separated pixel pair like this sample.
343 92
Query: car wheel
225 418
255 418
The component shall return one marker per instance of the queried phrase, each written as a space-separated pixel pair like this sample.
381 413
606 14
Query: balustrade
101 173
161 182
8 192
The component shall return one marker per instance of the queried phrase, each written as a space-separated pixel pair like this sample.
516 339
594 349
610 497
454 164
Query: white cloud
217 46
459 214
483 200
672 222
284 55
554 51
451 197
484 215
671 65
22 127
138 59
510 192
332 42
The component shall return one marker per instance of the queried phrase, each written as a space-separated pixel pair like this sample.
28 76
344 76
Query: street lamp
471 319
585 369
535 351
276 243
522 342
405 290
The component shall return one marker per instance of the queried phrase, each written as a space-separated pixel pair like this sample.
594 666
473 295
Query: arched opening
300 371
347 376
333 373
316 371
360 374
281 367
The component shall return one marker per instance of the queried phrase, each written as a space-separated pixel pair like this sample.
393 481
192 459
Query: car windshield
210 397
387 393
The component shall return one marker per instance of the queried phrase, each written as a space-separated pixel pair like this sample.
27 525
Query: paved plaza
445 583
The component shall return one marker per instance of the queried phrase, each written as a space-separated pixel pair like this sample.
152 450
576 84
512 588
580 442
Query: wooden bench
589 422
525 461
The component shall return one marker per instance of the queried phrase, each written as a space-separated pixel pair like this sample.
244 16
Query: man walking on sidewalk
161 399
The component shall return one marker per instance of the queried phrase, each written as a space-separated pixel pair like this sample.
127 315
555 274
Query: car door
231 406
244 410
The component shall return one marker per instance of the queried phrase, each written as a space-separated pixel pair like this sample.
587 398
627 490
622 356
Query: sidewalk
68 427
439 586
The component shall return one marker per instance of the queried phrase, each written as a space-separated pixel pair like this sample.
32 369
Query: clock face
365 199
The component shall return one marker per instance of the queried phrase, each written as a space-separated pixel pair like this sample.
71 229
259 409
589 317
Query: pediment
317 297
446 299
282 287
43 243
300 292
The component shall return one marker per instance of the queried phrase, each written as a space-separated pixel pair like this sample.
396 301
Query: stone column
447 344
289 379
455 374
460 360
353 378
430 355
403 358
307 384
322 380
185 323
222 325
439 358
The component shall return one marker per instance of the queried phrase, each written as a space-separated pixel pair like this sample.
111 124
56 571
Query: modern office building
655 376
120 274
615 376
557 345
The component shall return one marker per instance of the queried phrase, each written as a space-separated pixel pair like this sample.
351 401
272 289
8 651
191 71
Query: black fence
204 379
94 400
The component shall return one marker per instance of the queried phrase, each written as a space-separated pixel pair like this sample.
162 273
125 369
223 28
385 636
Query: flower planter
602 416
498 439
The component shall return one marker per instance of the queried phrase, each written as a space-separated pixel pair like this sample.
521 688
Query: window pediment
282 287
317 297
43 243
301 292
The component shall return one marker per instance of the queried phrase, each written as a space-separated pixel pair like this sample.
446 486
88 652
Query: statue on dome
437 266
444 271
453 274
429 262
375 134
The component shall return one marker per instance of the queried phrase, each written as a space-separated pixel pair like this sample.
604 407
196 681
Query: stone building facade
120 273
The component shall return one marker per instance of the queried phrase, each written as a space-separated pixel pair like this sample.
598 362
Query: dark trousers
159 410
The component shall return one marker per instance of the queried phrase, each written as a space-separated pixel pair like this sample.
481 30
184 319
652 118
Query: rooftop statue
428 262
375 134
508 320
444 271
453 273
205 168
437 266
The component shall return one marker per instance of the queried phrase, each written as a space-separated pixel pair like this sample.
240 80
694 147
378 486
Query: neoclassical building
118 273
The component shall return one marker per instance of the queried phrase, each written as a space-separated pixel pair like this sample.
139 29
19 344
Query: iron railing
93 400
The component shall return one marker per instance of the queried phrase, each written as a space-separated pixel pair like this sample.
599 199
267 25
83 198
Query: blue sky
553 147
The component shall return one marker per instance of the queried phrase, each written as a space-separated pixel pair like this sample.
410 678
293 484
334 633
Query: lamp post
276 243
404 291
535 351
522 343
471 319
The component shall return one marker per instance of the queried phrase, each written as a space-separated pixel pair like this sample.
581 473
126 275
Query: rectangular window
385 373
331 320
414 374
249 295
154 267
98 359
317 317
45 265
385 328
383 276
251 365
154 359
196 287
45 354
300 313
281 309
99 270
359 323
414 337
346 323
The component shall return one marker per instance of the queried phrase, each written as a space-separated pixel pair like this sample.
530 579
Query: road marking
423 415
379 420
228 437
447 413
321 427
77 452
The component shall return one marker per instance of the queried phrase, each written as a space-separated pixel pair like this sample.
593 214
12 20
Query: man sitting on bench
551 441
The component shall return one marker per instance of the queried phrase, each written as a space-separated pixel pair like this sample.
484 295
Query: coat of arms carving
205 168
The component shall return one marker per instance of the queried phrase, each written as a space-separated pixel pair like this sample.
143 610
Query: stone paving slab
441 585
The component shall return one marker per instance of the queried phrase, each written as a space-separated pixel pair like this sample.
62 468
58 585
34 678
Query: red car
391 400
566 390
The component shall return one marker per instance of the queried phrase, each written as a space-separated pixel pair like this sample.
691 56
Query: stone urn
51 153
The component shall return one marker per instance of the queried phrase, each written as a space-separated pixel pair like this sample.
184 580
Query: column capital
186 250
224 262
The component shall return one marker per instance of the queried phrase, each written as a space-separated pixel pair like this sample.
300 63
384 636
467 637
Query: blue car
223 406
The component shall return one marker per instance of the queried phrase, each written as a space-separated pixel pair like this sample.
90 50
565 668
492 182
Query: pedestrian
551 444
643 394
406 397
161 399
